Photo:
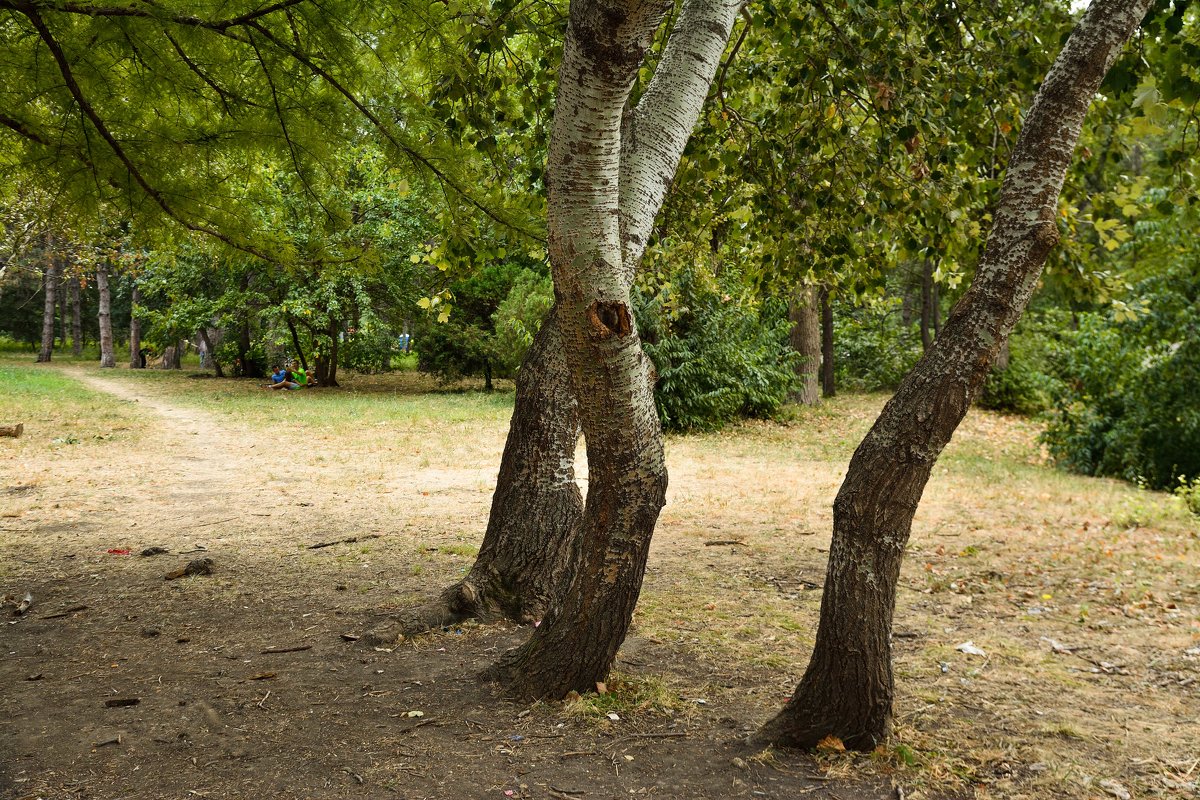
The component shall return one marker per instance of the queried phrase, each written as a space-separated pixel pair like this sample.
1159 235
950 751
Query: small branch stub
608 319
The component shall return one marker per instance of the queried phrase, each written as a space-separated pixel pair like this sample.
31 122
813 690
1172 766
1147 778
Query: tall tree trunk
607 174
327 359
106 337
805 314
50 287
136 359
64 311
848 687
76 318
532 534
927 304
828 383
212 353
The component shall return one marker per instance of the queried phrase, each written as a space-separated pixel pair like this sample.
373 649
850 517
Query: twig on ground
350 540
297 649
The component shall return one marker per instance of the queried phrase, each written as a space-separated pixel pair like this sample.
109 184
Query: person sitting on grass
281 379
300 375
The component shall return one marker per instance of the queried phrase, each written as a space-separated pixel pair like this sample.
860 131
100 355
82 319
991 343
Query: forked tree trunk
107 359
805 315
533 529
848 687
136 360
828 383
606 181
76 317
50 287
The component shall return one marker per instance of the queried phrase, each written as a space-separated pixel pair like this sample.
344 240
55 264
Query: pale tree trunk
106 338
828 384
50 287
136 361
532 533
76 318
172 357
848 687
64 311
805 337
606 181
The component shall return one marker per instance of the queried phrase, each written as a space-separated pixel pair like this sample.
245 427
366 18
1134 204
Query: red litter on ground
119 551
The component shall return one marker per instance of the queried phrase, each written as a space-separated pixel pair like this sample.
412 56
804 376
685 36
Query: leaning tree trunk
848 687
805 339
828 383
532 535
50 286
76 317
136 360
106 337
606 181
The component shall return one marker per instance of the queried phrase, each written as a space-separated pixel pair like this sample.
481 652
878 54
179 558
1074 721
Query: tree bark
106 337
136 359
606 176
327 360
76 317
64 311
828 383
212 356
805 314
848 687
532 535
50 287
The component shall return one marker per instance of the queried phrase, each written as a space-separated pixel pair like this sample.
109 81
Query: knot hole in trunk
609 319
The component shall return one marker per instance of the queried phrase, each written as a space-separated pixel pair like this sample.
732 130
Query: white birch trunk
107 359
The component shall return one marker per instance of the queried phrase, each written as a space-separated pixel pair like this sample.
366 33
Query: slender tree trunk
50 287
487 376
136 359
606 175
532 534
64 311
291 323
327 360
828 383
212 353
927 290
848 687
106 337
805 314
76 318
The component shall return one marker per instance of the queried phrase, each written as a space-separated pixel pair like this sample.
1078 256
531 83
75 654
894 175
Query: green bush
1026 385
719 356
873 349
1129 406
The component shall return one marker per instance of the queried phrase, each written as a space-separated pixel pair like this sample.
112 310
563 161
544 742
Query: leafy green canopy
186 112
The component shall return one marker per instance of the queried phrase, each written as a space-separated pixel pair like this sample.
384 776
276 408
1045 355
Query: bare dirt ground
1084 601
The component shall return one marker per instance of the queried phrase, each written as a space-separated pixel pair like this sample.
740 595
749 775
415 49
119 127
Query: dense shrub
873 348
1130 407
719 356
1026 386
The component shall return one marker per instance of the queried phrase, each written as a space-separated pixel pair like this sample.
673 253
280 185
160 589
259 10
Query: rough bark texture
136 361
76 317
50 287
107 359
828 383
848 687
606 177
805 339
533 529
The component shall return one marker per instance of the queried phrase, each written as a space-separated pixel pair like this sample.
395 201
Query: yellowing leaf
831 744
424 302
444 316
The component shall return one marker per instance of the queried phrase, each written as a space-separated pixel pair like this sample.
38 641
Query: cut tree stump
12 431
